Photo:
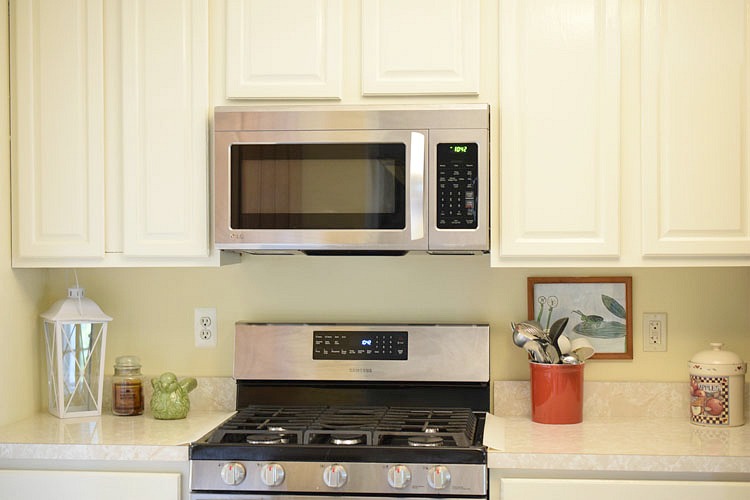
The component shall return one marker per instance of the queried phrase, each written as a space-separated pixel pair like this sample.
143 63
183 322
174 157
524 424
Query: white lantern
75 335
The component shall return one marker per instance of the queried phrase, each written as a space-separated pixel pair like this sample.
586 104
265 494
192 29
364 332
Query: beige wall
20 290
153 309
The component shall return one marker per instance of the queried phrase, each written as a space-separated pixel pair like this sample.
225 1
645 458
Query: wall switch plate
204 324
654 332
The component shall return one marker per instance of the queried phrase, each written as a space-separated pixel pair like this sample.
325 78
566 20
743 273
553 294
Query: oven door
353 190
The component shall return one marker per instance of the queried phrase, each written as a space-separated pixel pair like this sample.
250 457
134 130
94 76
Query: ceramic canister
717 387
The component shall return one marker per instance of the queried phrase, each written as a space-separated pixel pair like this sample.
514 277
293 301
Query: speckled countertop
109 437
628 427
631 427
106 437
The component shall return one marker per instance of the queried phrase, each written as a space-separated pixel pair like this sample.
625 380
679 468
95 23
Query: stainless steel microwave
352 180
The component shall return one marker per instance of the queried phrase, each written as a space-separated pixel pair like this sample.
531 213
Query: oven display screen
360 345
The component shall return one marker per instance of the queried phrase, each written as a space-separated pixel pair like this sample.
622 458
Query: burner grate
350 426
345 425
411 426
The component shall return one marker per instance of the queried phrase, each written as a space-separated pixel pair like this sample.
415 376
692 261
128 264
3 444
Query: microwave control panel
457 168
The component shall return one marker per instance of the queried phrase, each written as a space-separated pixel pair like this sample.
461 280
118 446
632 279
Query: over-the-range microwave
352 179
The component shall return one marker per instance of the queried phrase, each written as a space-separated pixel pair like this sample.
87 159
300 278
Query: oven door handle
417 167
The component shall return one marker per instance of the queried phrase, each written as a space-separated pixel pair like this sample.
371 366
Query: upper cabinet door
420 47
278 49
165 128
560 139
695 77
57 123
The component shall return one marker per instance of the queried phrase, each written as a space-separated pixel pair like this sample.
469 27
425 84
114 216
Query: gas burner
268 439
348 439
430 430
425 441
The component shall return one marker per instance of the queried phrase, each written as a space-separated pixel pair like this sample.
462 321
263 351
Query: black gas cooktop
348 432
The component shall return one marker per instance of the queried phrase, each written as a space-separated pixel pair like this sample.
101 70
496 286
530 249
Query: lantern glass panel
80 365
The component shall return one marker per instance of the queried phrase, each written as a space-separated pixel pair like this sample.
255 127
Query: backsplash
608 399
212 394
511 398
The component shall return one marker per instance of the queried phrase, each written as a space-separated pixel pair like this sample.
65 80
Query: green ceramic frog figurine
170 399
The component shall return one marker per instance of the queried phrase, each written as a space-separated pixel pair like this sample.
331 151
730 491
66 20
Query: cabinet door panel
88 485
560 109
696 180
284 49
164 126
591 489
420 47
57 128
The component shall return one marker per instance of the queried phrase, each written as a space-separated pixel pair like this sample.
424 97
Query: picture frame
599 309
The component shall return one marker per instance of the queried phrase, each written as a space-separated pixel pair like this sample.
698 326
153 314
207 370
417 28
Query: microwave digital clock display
457 189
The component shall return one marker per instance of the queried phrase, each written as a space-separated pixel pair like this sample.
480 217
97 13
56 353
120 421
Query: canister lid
127 362
716 356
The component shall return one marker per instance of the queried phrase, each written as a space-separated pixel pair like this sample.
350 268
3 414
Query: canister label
709 400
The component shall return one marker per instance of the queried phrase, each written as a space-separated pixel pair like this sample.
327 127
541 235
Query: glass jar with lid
127 386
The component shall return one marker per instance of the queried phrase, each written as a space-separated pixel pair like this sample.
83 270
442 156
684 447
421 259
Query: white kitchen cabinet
88 485
284 49
165 182
696 169
57 129
593 489
623 132
420 47
110 133
560 135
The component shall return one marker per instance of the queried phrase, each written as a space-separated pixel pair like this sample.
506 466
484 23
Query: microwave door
321 190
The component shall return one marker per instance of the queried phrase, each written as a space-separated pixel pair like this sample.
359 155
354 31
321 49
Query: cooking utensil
570 359
556 330
582 348
531 328
563 343
535 349
521 335
552 355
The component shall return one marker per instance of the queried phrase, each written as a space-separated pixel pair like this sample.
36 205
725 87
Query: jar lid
127 361
716 356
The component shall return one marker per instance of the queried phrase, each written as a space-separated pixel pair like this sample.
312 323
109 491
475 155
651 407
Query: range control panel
346 345
457 185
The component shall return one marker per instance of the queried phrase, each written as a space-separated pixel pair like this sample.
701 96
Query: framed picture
599 309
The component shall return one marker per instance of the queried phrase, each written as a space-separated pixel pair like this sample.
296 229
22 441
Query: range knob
438 477
272 474
399 476
335 476
232 473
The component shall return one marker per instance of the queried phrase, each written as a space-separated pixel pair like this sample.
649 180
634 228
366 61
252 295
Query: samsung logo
360 370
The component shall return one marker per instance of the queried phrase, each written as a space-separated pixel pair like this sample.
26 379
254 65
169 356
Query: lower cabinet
611 489
89 485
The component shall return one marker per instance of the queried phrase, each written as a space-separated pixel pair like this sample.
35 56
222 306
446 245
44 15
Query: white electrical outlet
204 324
654 332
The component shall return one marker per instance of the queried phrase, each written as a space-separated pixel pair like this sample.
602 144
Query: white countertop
622 430
106 437
633 427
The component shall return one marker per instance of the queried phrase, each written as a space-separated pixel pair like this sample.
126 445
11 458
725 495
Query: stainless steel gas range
353 411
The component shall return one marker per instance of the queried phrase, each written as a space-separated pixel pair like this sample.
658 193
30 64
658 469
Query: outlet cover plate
205 327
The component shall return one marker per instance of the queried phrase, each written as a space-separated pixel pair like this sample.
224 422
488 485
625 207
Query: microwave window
318 186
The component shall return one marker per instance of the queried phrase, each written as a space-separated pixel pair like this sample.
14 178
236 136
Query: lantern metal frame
75 335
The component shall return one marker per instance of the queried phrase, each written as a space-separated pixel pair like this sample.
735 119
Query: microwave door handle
416 185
